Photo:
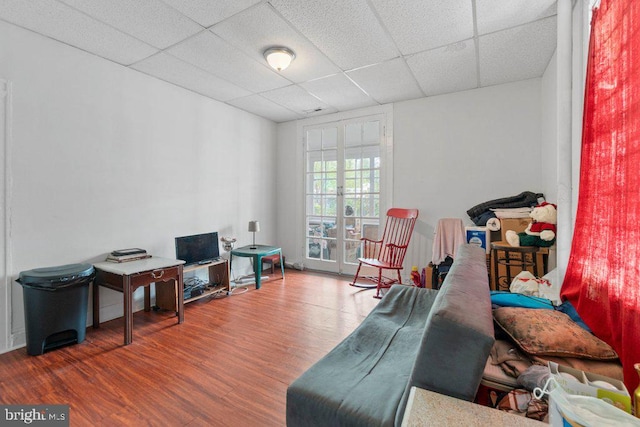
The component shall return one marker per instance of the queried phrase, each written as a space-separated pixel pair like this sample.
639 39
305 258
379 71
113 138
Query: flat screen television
198 248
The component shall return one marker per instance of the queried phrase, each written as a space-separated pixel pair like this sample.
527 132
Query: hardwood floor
228 364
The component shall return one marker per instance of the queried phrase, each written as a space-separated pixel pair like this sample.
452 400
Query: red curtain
603 274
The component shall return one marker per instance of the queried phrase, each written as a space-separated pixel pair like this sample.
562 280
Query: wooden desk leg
128 310
180 286
147 297
96 304
258 270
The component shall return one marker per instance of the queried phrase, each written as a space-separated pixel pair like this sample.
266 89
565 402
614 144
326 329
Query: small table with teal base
257 252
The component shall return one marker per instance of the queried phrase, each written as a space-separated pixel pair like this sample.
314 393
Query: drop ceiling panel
298 100
496 15
340 92
173 70
447 69
65 24
260 106
209 12
258 28
151 21
387 82
391 50
503 59
418 25
348 32
216 56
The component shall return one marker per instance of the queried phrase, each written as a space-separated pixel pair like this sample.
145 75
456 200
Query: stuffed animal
541 231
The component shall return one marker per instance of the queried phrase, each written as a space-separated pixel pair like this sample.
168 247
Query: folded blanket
509 357
524 199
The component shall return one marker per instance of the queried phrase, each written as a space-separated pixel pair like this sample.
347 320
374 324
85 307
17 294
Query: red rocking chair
387 253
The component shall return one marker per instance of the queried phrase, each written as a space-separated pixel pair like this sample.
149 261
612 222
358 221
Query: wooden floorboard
228 364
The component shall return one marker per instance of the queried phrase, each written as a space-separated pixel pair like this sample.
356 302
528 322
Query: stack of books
124 255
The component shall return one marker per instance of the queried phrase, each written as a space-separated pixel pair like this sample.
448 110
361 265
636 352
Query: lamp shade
254 226
279 58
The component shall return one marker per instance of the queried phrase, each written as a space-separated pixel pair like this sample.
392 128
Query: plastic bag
582 411
535 376
527 284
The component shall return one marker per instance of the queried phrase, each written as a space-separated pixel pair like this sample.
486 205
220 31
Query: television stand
167 299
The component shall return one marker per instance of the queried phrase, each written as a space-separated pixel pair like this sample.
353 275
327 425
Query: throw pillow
551 333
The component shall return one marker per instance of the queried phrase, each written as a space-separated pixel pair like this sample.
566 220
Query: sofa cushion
361 381
459 334
551 333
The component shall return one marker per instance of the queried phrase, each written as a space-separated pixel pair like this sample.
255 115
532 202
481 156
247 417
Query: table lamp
254 226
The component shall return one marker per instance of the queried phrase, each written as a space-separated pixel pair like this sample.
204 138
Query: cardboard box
582 383
478 236
516 224
428 276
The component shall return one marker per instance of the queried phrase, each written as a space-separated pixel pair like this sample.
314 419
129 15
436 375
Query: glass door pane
361 186
321 193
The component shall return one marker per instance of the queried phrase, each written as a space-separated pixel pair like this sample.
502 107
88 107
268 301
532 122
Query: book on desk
124 255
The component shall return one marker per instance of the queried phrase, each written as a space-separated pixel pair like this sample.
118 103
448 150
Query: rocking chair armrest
393 245
367 240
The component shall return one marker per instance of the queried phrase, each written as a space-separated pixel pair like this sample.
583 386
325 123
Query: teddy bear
541 231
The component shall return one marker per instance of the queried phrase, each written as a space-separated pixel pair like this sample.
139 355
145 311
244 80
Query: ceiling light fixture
279 58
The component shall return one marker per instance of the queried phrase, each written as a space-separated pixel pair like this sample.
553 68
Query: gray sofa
436 340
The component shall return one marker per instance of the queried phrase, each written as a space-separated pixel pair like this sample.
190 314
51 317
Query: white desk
427 408
126 277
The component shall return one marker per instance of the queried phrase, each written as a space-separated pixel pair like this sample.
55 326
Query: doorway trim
6 337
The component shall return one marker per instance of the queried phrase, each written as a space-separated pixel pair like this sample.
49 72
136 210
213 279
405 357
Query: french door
343 191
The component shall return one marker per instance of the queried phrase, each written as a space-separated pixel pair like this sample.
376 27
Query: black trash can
55 305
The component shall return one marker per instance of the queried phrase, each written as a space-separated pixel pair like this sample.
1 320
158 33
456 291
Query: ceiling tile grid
212 54
265 108
210 12
389 81
496 15
260 27
348 32
173 70
418 25
299 100
503 60
349 53
447 69
339 91
151 21
67 25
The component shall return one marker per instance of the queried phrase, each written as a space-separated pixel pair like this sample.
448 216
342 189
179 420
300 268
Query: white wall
451 152
289 195
103 157
454 151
